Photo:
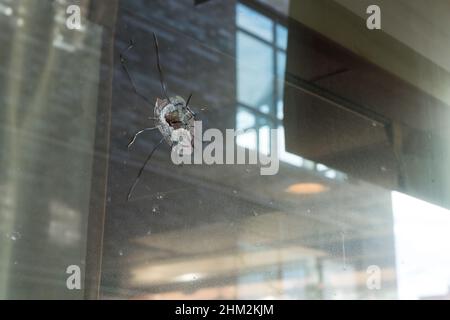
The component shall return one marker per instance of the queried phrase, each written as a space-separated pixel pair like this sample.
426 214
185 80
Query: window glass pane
422 261
264 140
280 106
264 108
281 63
362 117
245 119
254 22
281 67
254 71
49 98
282 36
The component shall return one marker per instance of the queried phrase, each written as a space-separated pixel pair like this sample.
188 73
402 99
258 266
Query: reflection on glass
282 36
280 112
254 71
422 242
48 95
192 231
264 140
244 119
258 91
254 22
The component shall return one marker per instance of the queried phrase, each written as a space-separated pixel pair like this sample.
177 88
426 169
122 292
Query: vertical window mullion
275 74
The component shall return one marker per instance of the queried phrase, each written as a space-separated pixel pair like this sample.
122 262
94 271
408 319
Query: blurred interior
363 180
